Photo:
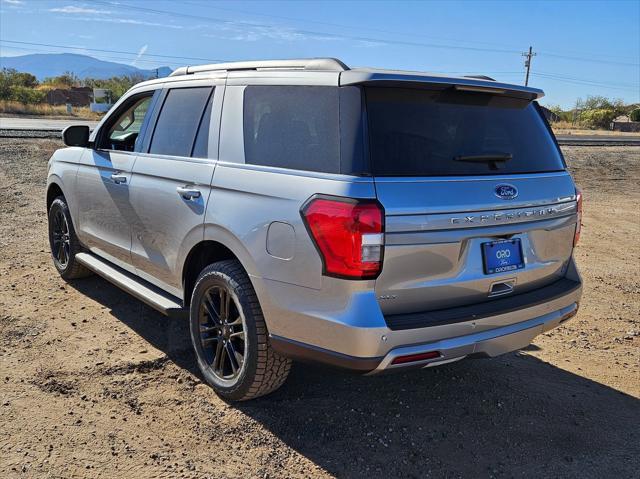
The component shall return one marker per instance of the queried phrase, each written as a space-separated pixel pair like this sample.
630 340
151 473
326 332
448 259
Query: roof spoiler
471 84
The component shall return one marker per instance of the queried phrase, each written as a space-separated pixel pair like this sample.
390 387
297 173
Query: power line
363 28
589 60
102 57
599 82
303 32
337 25
546 75
582 80
577 82
338 36
69 47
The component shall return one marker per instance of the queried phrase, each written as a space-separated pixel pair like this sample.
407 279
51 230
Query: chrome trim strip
472 178
450 221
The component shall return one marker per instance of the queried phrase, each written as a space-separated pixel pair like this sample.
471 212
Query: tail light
576 238
348 234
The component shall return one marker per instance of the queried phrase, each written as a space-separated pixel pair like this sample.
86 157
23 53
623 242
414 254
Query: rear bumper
488 330
490 343
493 342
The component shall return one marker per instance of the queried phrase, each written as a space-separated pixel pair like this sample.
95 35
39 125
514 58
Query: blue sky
583 48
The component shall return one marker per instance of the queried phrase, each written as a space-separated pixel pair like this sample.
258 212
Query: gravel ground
20 133
95 384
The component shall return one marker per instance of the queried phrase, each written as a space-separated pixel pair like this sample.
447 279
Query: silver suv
368 219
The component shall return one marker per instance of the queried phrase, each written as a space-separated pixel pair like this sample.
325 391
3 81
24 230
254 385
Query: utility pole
527 63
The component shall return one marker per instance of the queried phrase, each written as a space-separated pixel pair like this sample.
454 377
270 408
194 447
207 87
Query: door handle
119 179
188 193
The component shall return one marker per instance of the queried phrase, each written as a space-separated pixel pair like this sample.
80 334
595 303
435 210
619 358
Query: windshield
418 132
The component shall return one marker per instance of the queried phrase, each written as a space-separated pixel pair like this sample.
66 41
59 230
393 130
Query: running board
142 290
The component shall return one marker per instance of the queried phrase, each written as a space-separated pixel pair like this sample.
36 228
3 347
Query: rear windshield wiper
494 160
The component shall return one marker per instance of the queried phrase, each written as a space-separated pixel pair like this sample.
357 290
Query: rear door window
293 127
179 121
416 132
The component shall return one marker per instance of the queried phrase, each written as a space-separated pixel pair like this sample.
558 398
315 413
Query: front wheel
63 241
230 336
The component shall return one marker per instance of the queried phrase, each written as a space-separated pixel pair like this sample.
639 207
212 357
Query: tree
117 85
11 78
16 78
5 85
557 109
599 111
634 115
66 80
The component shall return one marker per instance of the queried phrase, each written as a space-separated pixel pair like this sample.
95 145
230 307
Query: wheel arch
54 189
211 249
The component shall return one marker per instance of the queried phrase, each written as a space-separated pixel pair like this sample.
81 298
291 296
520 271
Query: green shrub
634 115
27 95
598 118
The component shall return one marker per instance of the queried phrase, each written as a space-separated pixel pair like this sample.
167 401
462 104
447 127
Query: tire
63 241
231 342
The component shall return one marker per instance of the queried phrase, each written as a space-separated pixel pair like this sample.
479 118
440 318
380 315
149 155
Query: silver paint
434 228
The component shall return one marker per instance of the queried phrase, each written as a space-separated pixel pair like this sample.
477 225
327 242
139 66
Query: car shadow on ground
513 416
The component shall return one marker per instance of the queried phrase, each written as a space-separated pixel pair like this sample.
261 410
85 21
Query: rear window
294 127
416 132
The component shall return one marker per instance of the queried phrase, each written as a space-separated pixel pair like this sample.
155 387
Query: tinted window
201 147
178 122
292 127
429 133
123 133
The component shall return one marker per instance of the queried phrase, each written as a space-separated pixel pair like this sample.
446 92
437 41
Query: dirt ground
582 132
95 384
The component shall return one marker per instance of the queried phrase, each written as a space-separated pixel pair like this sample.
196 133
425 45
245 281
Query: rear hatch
477 199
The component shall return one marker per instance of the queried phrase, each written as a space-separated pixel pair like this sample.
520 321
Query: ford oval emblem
506 191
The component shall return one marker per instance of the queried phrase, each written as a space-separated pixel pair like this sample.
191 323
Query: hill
44 65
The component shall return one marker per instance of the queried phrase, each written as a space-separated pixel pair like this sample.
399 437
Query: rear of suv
368 219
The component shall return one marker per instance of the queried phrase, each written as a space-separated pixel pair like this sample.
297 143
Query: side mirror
76 135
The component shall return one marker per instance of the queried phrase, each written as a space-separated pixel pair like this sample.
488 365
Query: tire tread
272 369
74 270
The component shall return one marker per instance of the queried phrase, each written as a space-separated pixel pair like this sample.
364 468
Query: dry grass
564 125
568 128
17 108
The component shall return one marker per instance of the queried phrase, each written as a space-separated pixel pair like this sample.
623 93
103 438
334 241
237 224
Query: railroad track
563 140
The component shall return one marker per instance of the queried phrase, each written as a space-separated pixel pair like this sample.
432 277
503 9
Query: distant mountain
44 65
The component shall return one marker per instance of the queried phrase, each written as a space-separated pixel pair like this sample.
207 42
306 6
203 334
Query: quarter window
179 120
293 127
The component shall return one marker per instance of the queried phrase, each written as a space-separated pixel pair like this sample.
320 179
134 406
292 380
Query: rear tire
230 337
63 241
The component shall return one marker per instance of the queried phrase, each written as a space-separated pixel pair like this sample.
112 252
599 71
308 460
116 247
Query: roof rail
317 64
